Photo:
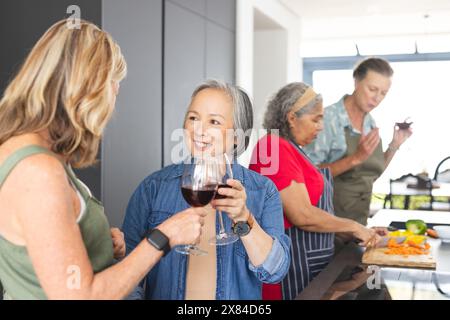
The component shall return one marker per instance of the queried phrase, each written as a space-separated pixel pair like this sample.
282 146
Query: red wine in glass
405 124
200 197
220 196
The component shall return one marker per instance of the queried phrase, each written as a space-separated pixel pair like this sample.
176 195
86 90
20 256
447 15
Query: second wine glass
223 238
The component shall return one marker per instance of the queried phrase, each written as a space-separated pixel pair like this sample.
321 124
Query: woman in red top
296 113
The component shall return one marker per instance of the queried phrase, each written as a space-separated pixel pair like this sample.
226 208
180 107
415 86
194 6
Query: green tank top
16 270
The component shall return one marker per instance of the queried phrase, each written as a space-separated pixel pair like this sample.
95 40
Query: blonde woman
55 241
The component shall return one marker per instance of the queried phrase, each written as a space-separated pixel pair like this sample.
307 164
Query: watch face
158 240
242 228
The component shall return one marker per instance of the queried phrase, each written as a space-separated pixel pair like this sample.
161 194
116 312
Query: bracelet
390 147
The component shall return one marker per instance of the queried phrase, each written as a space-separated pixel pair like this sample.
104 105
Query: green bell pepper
416 226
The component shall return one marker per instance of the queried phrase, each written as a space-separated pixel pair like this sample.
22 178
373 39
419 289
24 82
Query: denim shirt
159 197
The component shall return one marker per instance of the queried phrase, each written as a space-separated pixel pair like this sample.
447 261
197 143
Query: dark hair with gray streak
242 111
276 116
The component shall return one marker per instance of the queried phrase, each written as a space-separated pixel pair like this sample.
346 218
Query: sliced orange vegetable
393 244
414 245
406 249
432 233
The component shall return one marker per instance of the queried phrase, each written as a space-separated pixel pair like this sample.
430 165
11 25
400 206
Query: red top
282 169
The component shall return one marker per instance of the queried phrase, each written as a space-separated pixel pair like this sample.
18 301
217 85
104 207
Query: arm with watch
156 241
266 252
180 229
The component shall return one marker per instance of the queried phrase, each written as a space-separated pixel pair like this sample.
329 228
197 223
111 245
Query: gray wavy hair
242 111
276 116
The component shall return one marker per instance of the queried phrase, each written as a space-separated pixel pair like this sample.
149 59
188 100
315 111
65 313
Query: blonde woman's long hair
65 86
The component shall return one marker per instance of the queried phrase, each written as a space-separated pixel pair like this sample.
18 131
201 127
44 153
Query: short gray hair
242 110
276 116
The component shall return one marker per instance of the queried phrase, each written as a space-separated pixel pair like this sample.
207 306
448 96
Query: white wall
245 33
270 72
289 66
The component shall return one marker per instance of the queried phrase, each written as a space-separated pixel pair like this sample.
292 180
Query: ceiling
346 8
356 19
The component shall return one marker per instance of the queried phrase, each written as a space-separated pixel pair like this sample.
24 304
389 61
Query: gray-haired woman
296 111
235 271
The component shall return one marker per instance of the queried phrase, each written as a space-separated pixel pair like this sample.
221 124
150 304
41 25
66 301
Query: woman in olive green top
55 241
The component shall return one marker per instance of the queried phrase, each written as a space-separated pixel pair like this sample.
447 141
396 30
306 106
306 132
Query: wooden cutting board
378 257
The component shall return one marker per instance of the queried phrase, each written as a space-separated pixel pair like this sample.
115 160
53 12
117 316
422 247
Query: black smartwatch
158 240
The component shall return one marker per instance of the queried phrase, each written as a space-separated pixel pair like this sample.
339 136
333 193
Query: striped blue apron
310 251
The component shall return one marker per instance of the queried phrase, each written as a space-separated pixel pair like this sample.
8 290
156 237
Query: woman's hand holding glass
400 136
235 202
185 227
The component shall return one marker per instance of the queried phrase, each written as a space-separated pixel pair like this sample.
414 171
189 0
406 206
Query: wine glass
223 238
405 124
198 186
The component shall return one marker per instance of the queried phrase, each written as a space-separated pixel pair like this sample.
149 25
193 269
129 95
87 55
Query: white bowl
443 232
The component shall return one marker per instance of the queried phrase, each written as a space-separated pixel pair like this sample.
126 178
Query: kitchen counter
346 278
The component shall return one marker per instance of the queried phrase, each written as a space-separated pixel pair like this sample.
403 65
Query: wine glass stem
222 228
